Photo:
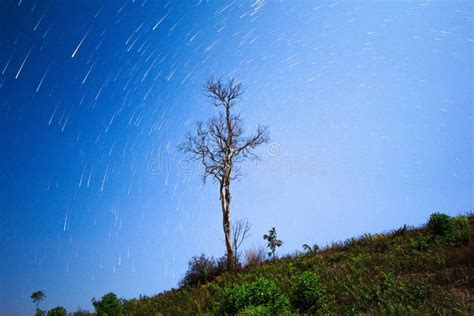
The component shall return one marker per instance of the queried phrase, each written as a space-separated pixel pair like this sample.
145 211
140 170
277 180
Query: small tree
272 242
220 145
240 232
37 297
57 311
109 305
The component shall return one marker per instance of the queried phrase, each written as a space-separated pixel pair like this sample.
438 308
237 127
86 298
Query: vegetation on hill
426 270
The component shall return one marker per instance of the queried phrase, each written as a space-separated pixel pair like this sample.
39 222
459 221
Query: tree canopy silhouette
37 297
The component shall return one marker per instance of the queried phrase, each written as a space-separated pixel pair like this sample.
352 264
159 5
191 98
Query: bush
400 231
57 311
309 294
311 249
40 312
440 225
461 229
202 270
262 295
455 229
109 305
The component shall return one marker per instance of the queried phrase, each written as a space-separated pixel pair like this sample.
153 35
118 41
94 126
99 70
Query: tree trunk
225 203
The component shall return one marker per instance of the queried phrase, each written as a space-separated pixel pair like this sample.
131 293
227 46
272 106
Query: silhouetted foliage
202 270
108 305
311 249
440 224
400 231
40 312
81 312
455 229
272 242
57 311
37 297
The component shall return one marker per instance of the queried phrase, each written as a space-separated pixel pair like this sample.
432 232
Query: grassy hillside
427 270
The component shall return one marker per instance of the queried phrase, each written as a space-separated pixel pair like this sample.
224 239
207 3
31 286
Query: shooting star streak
23 64
65 220
161 20
41 82
8 62
80 43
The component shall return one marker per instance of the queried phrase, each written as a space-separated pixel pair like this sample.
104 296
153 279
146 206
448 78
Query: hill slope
428 270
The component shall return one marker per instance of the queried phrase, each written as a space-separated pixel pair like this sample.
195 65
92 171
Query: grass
406 271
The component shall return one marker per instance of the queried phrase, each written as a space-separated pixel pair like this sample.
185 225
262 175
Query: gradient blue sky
369 105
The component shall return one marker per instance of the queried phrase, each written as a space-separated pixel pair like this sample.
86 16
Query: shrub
202 270
382 243
57 311
311 249
420 243
261 295
455 229
40 312
461 229
109 305
400 231
440 225
254 256
309 294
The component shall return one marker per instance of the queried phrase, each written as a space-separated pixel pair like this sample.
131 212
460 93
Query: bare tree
220 146
240 232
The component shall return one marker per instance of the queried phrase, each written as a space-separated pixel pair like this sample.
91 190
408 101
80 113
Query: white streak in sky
65 122
42 79
161 20
90 176
65 220
8 62
37 24
52 115
87 75
23 64
80 43
103 179
82 176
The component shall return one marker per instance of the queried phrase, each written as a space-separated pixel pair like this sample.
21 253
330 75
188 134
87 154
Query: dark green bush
440 225
109 305
57 311
455 229
202 270
309 293
40 312
260 295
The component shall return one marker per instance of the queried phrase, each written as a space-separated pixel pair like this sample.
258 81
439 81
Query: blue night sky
369 106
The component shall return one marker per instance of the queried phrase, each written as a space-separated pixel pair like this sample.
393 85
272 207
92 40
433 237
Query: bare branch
240 232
